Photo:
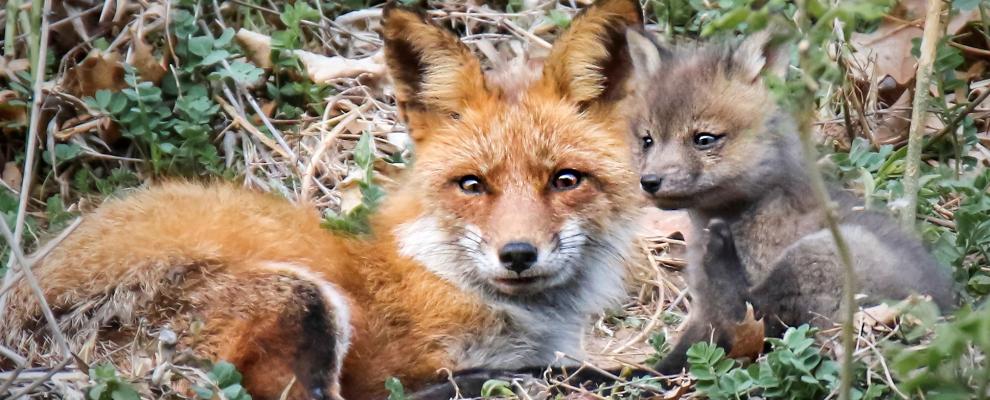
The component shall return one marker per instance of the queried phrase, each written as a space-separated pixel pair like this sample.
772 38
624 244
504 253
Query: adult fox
509 230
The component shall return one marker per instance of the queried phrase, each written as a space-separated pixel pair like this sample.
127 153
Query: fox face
523 175
707 131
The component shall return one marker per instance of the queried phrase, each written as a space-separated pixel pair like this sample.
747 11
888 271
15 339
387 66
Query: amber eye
705 140
471 184
647 141
566 179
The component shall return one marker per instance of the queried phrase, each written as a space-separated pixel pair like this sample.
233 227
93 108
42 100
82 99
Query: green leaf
241 72
200 45
496 387
225 374
395 390
559 18
124 391
96 392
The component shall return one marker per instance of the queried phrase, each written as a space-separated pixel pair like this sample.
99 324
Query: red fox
509 230
723 150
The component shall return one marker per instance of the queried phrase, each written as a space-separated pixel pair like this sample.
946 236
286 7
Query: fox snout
518 256
650 183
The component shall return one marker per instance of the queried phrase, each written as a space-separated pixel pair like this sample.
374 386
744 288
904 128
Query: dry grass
308 160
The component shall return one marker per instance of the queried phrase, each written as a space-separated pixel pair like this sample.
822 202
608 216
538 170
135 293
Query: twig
654 319
37 256
328 139
25 268
934 28
31 146
11 355
820 193
951 126
42 379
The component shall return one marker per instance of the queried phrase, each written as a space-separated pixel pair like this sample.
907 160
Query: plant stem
832 223
805 118
934 29
10 31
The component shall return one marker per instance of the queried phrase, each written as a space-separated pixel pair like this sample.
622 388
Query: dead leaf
319 68
890 44
98 71
323 69
892 125
148 67
257 46
11 175
11 67
880 315
12 114
747 340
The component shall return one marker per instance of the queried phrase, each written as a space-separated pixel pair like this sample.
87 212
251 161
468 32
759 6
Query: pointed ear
647 56
761 53
590 63
431 69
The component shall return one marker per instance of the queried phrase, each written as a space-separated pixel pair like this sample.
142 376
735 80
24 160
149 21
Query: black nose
650 183
517 256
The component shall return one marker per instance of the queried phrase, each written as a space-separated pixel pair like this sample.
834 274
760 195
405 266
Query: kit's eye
471 184
705 140
647 140
566 179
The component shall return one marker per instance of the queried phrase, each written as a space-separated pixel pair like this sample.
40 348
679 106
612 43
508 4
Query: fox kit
508 231
712 140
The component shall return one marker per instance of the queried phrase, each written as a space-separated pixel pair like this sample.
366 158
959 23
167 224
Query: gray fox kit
712 140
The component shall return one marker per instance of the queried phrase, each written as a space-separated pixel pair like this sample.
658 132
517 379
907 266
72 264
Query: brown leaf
890 44
148 67
892 126
98 71
319 68
877 315
11 67
747 341
12 114
11 175
257 46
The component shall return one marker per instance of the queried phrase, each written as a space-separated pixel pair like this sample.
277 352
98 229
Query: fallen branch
934 29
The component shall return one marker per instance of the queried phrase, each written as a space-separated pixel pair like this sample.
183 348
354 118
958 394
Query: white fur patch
530 333
424 240
341 311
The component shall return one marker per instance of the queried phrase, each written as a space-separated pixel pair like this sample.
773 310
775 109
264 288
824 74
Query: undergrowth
180 127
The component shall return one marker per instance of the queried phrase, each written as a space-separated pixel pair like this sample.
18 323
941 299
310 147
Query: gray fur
754 179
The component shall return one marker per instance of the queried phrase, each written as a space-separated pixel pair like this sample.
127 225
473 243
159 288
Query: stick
934 28
32 144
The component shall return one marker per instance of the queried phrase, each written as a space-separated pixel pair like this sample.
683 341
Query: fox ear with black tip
433 72
590 63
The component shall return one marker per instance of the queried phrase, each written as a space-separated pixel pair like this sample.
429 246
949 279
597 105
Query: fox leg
720 291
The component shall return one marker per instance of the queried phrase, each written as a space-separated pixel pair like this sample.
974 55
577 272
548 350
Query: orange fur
254 271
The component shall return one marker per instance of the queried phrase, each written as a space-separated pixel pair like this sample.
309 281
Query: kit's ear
760 54
431 69
590 63
647 56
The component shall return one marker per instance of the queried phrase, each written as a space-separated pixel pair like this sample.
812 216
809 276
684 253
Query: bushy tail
226 269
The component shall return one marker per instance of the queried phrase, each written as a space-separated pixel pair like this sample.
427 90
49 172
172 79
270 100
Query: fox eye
705 140
647 140
471 184
566 179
